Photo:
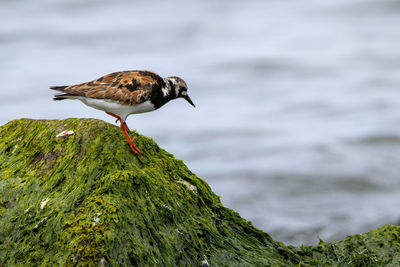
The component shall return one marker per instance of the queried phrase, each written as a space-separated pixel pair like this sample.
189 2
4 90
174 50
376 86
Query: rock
88 200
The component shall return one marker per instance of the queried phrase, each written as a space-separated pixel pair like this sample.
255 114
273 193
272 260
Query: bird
123 93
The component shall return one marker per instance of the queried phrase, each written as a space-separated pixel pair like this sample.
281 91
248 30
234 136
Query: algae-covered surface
86 200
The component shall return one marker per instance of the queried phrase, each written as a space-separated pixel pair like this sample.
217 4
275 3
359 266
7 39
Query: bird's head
179 88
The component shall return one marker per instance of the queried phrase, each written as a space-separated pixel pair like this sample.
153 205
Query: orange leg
125 130
118 119
129 140
126 127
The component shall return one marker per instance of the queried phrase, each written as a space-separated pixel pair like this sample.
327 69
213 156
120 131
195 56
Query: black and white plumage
126 92
120 94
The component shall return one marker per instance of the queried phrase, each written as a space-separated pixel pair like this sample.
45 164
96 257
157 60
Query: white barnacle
15 148
64 134
166 206
204 262
188 185
96 219
40 223
43 203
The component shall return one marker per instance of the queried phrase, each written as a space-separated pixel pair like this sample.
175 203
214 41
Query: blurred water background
297 125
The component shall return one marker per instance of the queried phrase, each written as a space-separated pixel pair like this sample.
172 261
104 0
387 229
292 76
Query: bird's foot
133 146
130 140
125 130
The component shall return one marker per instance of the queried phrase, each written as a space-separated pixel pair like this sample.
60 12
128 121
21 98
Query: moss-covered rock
85 199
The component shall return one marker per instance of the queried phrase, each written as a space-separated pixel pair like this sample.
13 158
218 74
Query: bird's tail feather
58 88
63 96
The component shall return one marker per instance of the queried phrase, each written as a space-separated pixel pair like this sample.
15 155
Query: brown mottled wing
126 87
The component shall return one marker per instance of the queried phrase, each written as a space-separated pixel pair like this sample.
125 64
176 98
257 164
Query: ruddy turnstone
120 94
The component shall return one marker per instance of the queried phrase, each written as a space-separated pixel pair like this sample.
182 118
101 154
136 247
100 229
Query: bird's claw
134 149
133 146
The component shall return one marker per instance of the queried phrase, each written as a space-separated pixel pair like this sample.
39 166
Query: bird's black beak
189 100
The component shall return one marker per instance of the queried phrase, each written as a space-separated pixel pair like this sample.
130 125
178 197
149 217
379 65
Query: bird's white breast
118 109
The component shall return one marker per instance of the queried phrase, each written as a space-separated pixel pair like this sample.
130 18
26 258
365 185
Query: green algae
380 247
86 200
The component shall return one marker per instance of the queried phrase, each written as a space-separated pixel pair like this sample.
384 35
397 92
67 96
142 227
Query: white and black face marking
179 88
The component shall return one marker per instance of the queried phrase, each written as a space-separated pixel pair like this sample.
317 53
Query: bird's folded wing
126 87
